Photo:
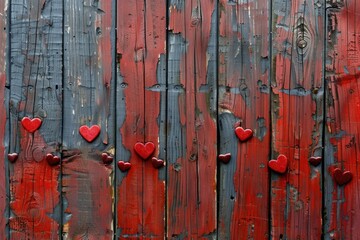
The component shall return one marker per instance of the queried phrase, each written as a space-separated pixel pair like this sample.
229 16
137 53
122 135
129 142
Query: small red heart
315 161
157 163
340 177
12 157
52 160
279 165
124 166
144 150
225 158
89 134
107 159
243 134
31 125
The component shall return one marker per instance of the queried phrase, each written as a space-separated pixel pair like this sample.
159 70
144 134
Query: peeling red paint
34 193
140 193
88 190
193 214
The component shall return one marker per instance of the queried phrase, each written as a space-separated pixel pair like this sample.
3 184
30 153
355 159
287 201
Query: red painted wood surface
192 134
154 178
183 75
140 191
35 91
4 187
297 114
87 182
343 120
244 101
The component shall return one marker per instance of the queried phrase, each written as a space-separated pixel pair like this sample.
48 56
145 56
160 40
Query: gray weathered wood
88 100
4 120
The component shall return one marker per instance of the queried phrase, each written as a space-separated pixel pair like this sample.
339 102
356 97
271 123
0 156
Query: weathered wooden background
182 74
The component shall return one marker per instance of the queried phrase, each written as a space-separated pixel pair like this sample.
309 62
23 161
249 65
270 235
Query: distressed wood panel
87 182
141 86
244 101
191 120
4 115
35 91
342 205
297 115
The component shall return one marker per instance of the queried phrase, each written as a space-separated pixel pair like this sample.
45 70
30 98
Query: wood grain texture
87 182
155 121
4 115
244 101
141 86
192 116
297 115
35 91
343 119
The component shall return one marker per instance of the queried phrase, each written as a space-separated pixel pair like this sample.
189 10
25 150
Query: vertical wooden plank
4 133
35 91
155 121
141 91
297 115
88 93
342 204
192 116
244 101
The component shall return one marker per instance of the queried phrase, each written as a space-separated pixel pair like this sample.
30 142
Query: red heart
144 150
157 163
89 134
52 160
279 165
225 158
107 159
342 178
31 125
243 134
13 157
315 161
124 166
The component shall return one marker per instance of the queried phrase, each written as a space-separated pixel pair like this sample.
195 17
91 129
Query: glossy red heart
144 150
89 134
12 157
225 158
340 177
107 159
315 161
31 125
279 165
52 160
124 166
157 163
243 134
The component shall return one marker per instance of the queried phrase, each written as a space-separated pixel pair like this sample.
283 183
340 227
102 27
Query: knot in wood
302 43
